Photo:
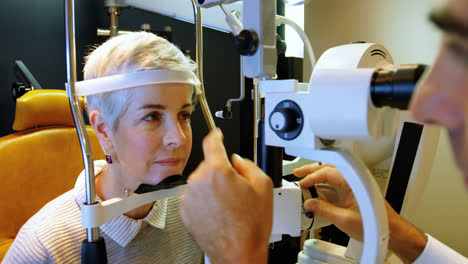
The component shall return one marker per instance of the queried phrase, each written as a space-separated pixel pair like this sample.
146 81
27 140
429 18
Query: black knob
286 120
246 42
280 45
227 113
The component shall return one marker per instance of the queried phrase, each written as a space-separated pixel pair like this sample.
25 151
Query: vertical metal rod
257 117
199 58
242 85
114 13
92 233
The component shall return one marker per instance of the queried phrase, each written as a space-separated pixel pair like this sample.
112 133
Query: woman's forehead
167 94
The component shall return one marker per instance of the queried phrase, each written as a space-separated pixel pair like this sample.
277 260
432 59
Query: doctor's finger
327 174
253 174
308 169
213 147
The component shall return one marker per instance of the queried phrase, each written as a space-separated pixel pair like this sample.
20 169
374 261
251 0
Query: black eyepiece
394 87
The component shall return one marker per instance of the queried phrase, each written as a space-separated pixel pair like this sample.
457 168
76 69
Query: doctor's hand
229 208
347 217
405 240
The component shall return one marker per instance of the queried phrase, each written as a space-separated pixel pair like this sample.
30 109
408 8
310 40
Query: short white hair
128 53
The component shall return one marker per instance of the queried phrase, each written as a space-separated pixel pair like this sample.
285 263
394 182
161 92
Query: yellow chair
39 162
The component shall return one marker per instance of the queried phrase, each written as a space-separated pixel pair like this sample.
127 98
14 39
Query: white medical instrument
357 78
290 127
298 117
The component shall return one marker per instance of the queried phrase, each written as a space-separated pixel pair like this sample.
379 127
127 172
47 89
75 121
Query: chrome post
114 13
199 59
256 117
92 233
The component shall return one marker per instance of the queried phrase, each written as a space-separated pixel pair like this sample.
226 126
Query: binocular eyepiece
394 87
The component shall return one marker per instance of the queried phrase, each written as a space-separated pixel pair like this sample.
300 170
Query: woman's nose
175 135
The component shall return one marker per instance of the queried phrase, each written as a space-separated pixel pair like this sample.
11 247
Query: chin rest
39 162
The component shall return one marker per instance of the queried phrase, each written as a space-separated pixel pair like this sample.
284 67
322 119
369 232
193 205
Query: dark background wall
34 32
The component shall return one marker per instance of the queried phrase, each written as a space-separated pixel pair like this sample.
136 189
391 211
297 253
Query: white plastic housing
286 211
339 105
352 56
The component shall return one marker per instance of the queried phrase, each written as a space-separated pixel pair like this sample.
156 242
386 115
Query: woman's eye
186 116
154 116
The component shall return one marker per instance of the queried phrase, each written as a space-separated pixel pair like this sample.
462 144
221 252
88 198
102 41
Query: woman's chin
160 178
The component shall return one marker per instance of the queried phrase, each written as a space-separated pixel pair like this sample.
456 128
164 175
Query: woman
146 134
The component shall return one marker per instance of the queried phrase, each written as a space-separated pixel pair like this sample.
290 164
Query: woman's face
153 138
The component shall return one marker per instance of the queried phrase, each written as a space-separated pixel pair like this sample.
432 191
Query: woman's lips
169 162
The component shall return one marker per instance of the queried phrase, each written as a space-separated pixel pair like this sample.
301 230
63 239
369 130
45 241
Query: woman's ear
102 129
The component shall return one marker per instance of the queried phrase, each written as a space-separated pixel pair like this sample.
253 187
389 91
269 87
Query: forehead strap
135 79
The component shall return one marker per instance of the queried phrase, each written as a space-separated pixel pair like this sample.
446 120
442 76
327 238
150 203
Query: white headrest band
134 79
